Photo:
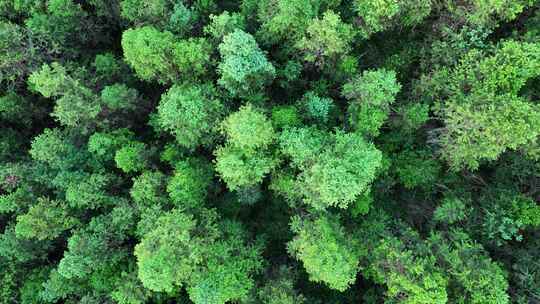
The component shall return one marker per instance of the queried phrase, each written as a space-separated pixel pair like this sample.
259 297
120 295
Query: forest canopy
269 151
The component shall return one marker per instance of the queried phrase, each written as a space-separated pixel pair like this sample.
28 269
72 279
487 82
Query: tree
132 157
99 245
244 69
130 290
19 56
63 27
238 169
285 116
325 250
302 145
169 253
57 287
248 129
417 168
119 97
370 95
9 143
192 58
229 271
148 189
452 210
76 106
44 220
190 112
104 145
245 158
89 191
326 40
413 116
158 55
335 168
476 278
269 151
108 67
508 123
285 20
416 279
216 265
55 149
189 186
16 109
318 110
482 111
163 14
486 13
393 254
141 12
279 288
224 24
378 15
150 53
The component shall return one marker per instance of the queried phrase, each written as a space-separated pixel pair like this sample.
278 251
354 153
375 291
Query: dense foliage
269 151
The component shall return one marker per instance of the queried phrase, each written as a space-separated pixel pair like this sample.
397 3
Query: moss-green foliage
76 105
149 52
284 20
285 116
159 55
269 151
148 189
104 145
333 262
173 16
214 264
238 169
18 54
15 109
144 11
131 157
370 95
484 12
327 39
248 129
224 24
379 15
98 246
414 116
451 210
245 159
161 255
482 106
417 168
45 220
130 290
88 191
119 97
192 57
335 168
279 289
52 148
229 269
414 278
191 114
477 278
189 185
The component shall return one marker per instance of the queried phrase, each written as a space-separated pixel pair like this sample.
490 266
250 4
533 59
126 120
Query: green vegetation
269 151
